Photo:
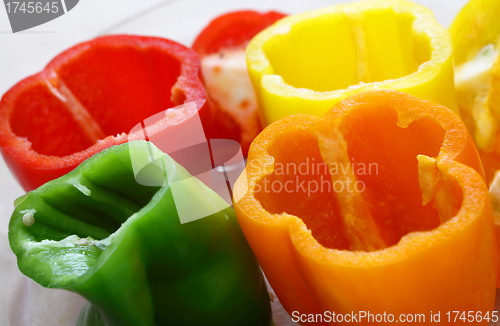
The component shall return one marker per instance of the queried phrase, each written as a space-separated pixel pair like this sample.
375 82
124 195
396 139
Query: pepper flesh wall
375 44
414 222
221 47
123 247
476 44
89 97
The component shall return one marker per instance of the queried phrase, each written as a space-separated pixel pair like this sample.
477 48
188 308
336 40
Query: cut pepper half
476 43
89 97
378 206
307 62
221 47
98 232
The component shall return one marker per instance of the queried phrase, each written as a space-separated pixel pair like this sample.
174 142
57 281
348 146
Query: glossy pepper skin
381 44
233 30
227 36
89 97
418 237
141 266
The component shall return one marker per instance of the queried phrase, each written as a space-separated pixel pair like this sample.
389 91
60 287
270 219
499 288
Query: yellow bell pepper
476 43
307 62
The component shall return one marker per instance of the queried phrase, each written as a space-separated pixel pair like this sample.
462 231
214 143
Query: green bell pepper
98 232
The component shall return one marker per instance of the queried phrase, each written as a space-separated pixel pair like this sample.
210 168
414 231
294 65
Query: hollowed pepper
89 97
98 232
380 205
476 41
221 47
305 63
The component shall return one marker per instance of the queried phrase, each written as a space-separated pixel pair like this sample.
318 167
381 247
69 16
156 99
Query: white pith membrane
70 242
473 83
80 114
228 83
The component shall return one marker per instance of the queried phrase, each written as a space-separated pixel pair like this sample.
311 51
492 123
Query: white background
23 302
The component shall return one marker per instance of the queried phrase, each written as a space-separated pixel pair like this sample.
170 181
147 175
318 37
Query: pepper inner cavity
103 91
361 47
90 209
357 187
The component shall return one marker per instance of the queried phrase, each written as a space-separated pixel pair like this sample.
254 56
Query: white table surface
23 302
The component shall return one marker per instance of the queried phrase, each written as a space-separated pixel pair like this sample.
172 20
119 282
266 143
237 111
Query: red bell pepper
221 47
89 97
233 30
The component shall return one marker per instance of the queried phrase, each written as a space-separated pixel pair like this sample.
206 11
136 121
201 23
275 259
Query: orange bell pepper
378 206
